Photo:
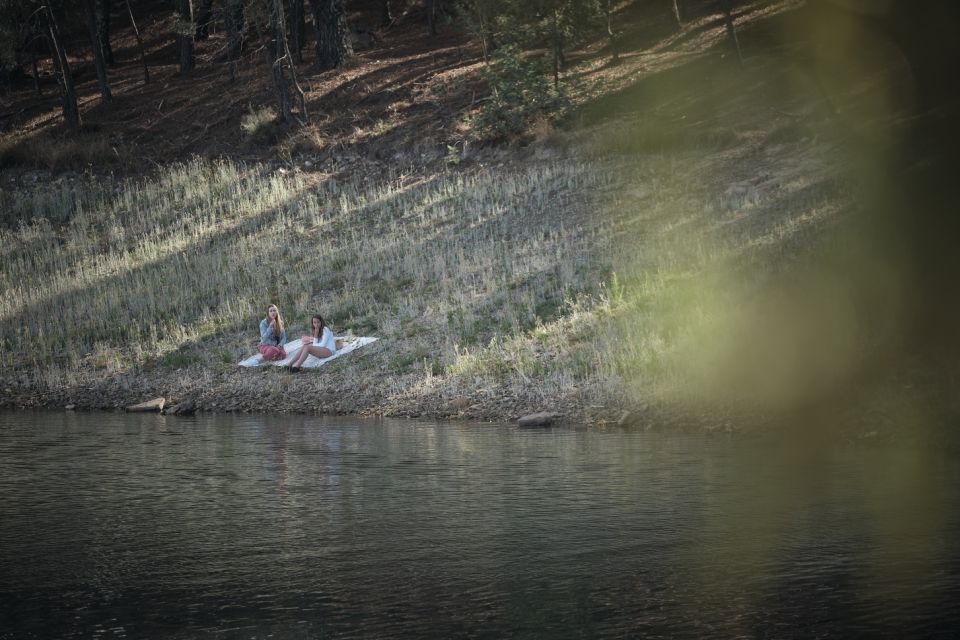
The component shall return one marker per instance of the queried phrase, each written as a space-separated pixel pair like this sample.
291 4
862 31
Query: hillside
690 236
405 94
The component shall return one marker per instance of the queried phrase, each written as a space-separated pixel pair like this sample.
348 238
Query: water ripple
118 526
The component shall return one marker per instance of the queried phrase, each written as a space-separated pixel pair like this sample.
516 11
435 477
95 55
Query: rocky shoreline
276 391
201 391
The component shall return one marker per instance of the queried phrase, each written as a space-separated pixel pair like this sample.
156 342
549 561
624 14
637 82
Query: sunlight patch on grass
609 281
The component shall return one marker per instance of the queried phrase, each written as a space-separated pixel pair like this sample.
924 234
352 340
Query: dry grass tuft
599 280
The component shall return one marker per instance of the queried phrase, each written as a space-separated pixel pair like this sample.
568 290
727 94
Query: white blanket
293 349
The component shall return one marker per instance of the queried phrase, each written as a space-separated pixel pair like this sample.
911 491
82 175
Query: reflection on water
238 527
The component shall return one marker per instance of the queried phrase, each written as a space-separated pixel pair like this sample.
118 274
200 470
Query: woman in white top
321 344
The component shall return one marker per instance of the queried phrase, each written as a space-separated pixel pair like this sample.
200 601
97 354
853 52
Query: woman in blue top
321 344
272 335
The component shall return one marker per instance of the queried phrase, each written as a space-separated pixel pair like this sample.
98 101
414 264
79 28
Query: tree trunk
485 47
103 29
432 16
386 17
68 93
275 54
185 32
557 49
98 57
677 13
283 71
36 73
298 29
204 18
731 30
611 38
333 34
490 37
301 97
136 32
234 25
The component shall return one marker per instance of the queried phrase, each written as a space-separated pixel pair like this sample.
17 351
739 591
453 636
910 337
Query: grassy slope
601 272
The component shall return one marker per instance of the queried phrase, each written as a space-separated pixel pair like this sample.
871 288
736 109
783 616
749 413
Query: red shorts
269 352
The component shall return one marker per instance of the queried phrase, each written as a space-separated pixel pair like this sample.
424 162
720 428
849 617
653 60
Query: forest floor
648 262
405 98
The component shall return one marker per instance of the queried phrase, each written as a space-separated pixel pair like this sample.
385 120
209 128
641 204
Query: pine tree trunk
298 29
136 32
98 58
731 30
234 25
386 17
557 50
185 36
333 34
611 38
292 70
677 13
36 73
103 29
485 47
204 18
275 55
65 87
432 16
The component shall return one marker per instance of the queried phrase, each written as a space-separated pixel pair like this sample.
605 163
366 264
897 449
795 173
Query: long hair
279 328
318 333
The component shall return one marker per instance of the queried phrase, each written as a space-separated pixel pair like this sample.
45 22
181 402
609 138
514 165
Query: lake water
125 526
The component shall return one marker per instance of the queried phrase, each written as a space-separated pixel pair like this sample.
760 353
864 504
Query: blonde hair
279 328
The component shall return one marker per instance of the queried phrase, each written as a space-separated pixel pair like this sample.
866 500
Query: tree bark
677 13
136 32
185 35
98 58
298 29
386 17
611 37
103 29
731 29
557 49
36 73
282 68
65 87
333 34
234 26
485 44
432 16
301 97
204 18
275 57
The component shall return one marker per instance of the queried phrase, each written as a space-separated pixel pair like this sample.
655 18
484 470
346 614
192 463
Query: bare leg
301 357
320 352
310 350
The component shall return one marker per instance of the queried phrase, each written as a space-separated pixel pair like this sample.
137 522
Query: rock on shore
542 419
145 407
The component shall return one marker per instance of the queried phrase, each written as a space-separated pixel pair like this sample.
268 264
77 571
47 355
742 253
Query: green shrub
521 94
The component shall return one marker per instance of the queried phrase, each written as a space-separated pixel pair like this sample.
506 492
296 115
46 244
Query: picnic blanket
312 362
